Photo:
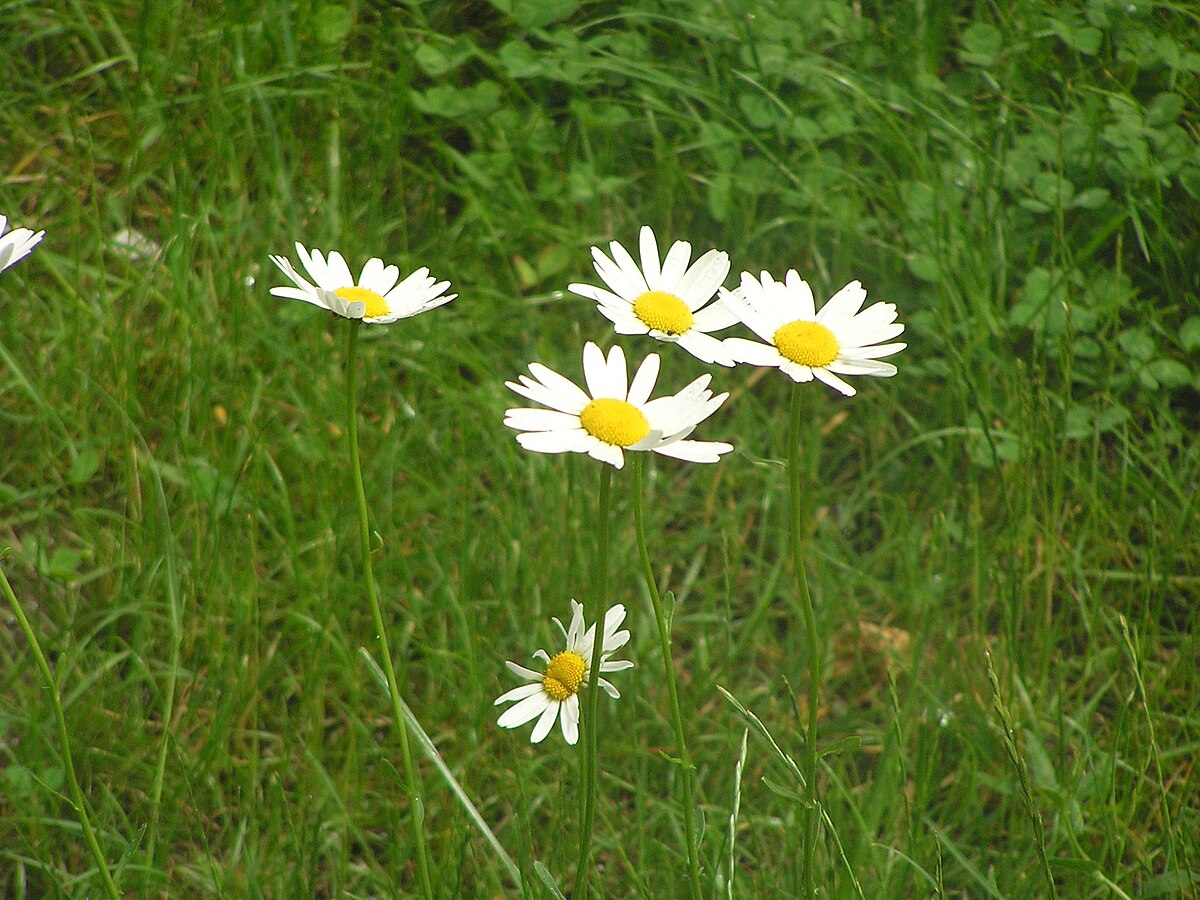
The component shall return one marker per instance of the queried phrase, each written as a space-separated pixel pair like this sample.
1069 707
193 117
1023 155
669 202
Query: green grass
1022 182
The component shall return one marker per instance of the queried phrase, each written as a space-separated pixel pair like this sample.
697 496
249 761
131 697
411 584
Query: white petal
706 348
876 317
525 419
714 317
372 274
569 717
617 665
595 370
843 305
314 265
624 321
795 371
600 295
529 708
675 267
834 382
644 380
862 367
877 352
520 693
629 268
615 278
339 272
851 335
607 453
752 352
800 290
298 294
285 266
570 396
557 441
575 634
695 451
545 723
612 621
609 689
762 322
702 280
649 250
522 672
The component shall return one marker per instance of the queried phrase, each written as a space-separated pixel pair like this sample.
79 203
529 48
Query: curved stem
588 763
811 814
416 804
664 636
77 801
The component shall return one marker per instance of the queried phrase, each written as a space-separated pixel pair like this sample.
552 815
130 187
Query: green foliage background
1021 179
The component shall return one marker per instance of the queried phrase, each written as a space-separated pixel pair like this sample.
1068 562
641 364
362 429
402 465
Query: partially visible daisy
16 244
375 298
554 693
618 416
806 344
664 302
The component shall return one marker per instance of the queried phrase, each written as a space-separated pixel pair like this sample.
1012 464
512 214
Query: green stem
416 805
811 814
591 730
664 636
56 701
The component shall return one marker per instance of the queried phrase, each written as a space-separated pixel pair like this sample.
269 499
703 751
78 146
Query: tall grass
1021 182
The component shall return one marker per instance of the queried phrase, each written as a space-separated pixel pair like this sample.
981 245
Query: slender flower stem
812 813
664 636
416 804
77 801
591 729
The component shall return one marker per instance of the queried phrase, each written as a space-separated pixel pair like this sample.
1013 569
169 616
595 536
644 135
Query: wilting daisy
666 302
16 244
804 343
618 416
375 298
554 693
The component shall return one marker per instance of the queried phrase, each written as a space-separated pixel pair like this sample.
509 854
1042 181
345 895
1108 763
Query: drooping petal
568 716
530 708
834 382
546 722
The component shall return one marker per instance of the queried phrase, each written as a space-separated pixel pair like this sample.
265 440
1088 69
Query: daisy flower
16 244
806 344
554 693
375 298
618 416
667 302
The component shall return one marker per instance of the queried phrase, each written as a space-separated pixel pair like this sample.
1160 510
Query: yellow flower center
614 421
663 312
563 675
807 343
375 304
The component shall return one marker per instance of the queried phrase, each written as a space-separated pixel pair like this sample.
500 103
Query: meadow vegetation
1004 539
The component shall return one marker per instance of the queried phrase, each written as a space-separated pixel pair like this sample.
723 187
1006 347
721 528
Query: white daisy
375 298
16 244
664 302
554 693
618 416
804 343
